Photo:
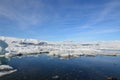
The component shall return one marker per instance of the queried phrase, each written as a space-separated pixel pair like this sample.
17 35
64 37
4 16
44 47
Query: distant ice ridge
14 47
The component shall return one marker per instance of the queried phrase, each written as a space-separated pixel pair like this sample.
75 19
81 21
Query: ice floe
6 69
11 47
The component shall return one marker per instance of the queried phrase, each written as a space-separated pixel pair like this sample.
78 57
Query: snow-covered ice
16 47
6 69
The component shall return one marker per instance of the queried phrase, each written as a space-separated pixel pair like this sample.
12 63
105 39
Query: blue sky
61 20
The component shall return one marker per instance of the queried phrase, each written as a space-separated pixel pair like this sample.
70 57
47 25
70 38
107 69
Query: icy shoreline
18 47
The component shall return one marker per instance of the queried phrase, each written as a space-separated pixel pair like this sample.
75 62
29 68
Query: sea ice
6 69
16 47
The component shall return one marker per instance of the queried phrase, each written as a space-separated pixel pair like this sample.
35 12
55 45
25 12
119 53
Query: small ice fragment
55 77
6 69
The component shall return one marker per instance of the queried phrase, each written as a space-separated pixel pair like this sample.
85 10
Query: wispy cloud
104 31
51 18
22 12
102 15
94 22
108 31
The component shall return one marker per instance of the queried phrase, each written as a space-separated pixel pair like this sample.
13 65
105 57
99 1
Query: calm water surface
44 67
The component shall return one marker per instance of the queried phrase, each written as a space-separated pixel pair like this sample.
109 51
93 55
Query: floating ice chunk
55 77
8 55
2 67
6 69
7 72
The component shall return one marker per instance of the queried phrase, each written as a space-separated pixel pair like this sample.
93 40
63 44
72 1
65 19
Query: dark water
44 67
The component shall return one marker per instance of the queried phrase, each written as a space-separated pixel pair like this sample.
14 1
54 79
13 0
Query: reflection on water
52 68
3 61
